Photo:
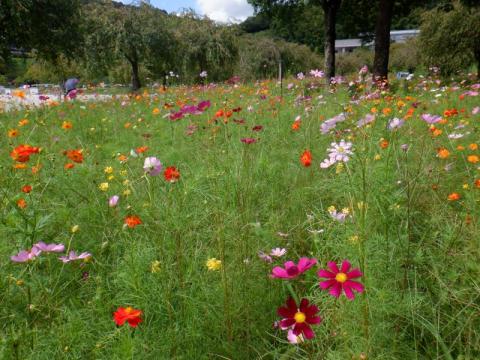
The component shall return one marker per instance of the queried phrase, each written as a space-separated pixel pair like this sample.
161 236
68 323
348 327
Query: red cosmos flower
257 128
129 314
339 280
132 220
306 158
26 189
300 318
171 174
248 140
75 155
22 152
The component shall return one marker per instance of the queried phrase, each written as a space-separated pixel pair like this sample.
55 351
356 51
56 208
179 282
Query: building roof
345 43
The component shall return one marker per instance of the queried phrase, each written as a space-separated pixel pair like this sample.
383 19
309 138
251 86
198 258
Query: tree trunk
477 58
382 40
330 9
135 77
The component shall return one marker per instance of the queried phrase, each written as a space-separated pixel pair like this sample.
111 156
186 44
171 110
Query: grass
418 251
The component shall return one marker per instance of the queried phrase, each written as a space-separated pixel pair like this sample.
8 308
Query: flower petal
345 266
355 273
325 274
333 266
336 289
327 284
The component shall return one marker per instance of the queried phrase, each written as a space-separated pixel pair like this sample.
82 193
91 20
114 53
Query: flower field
244 221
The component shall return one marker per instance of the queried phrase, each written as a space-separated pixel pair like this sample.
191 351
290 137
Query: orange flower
453 196
306 158
20 94
23 122
473 159
409 113
129 314
141 149
36 169
22 153
450 112
373 110
387 111
75 155
460 147
67 125
219 113
384 144
13 133
127 125
156 111
171 174
436 132
477 183
20 166
21 203
296 125
132 220
443 153
473 147
68 166
26 189
122 158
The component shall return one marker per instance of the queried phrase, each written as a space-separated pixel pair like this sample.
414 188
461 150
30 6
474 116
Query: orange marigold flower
156 111
127 125
473 147
36 169
219 113
75 155
387 111
13 133
443 153
129 314
306 158
477 183
21 203
22 152
384 144
20 166
171 174
68 166
460 147
20 94
473 159
132 220
26 189
296 125
453 196
122 158
437 132
373 110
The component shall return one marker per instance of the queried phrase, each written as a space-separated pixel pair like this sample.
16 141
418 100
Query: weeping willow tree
138 35
207 46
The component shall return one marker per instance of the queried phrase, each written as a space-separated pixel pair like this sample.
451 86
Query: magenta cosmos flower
248 140
299 319
341 279
291 270
152 166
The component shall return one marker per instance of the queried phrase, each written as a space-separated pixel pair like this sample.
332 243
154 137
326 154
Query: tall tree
330 8
382 39
137 34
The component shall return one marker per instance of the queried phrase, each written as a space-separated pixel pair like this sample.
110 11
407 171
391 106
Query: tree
137 34
450 38
382 39
330 8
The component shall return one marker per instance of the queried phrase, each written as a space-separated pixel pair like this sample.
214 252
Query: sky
219 10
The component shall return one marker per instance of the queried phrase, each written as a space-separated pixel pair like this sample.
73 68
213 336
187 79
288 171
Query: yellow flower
103 186
354 239
213 264
331 208
127 192
126 182
466 186
75 228
377 157
108 170
346 211
124 172
155 266
111 177
13 133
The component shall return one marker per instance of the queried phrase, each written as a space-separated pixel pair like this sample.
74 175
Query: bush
405 56
350 63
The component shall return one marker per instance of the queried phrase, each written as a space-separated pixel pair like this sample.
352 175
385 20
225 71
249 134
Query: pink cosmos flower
24 256
265 257
476 110
431 119
49 247
291 270
278 252
72 255
341 279
113 201
248 140
152 166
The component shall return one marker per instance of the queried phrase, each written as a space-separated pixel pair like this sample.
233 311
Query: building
396 36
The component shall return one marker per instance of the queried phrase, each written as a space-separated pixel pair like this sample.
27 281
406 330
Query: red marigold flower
306 158
299 318
339 280
141 149
22 152
26 189
75 155
171 174
132 220
128 314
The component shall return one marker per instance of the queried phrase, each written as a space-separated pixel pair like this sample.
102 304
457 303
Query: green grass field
407 215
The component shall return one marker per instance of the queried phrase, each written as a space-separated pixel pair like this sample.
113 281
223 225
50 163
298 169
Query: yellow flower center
300 317
129 310
341 277
340 149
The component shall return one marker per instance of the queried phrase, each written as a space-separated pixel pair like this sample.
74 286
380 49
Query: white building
396 36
